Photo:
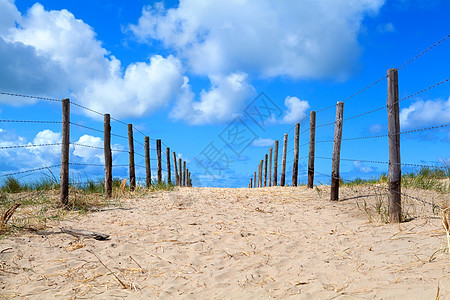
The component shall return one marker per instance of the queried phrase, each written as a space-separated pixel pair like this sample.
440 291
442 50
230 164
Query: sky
220 81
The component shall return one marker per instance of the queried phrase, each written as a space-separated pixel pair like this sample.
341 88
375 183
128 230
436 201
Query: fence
152 154
394 134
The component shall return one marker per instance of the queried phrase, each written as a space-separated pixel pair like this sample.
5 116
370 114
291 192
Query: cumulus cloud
424 113
262 142
52 52
222 102
296 110
299 39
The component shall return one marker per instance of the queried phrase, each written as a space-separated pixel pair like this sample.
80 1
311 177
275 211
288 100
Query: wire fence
306 169
92 164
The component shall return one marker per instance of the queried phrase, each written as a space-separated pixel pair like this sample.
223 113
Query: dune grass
40 199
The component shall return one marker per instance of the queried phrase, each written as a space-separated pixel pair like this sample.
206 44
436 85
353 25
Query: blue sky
189 72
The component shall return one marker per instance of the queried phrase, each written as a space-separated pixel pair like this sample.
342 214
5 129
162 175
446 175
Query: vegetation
40 203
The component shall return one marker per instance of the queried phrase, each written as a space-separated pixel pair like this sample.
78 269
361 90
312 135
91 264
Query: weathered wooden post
261 173
395 171
108 155
187 177
270 166
65 143
251 183
169 177
275 164
254 180
184 173
158 160
312 147
334 195
265 169
180 180
148 170
296 150
283 162
175 167
131 157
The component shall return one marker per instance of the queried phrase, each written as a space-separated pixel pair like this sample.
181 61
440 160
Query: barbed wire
385 188
385 162
29 146
386 135
29 96
425 89
86 127
30 170
100 148
423 52
30 121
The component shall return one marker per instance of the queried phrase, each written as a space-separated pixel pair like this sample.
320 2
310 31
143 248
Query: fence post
184 173
254 180
169 177
265 170
334 195
283 162
158 157
64 179
270 166
175 167
395 204
131 157
296 150
180 179
312 147
251 183
275 164
148 170
108 157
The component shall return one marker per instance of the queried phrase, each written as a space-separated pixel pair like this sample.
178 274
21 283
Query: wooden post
158 157
283 162
254 180
261 173
184 173
169 177
275 164
395 171
187 177
265 170
148 170
270 166
131 157
334 195
175 167
296 150
64 179
180 179
108 155
251 183
312 147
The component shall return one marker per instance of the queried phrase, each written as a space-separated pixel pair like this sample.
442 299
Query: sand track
206 243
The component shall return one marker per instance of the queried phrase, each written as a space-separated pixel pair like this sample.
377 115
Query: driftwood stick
118 279
8 214
85 233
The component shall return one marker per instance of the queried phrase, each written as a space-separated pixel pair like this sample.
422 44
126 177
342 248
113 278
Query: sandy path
205 243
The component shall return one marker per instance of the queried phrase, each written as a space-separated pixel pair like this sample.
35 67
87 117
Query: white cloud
377 128
362 167
424 113
262 142
222 102
52 52
299 39
89 154
296 110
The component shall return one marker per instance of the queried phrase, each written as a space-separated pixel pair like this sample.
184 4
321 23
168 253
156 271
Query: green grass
426 178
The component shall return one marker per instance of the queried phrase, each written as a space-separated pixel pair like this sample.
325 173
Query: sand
208 243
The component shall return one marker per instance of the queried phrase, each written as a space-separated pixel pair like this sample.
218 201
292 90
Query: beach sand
211 243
